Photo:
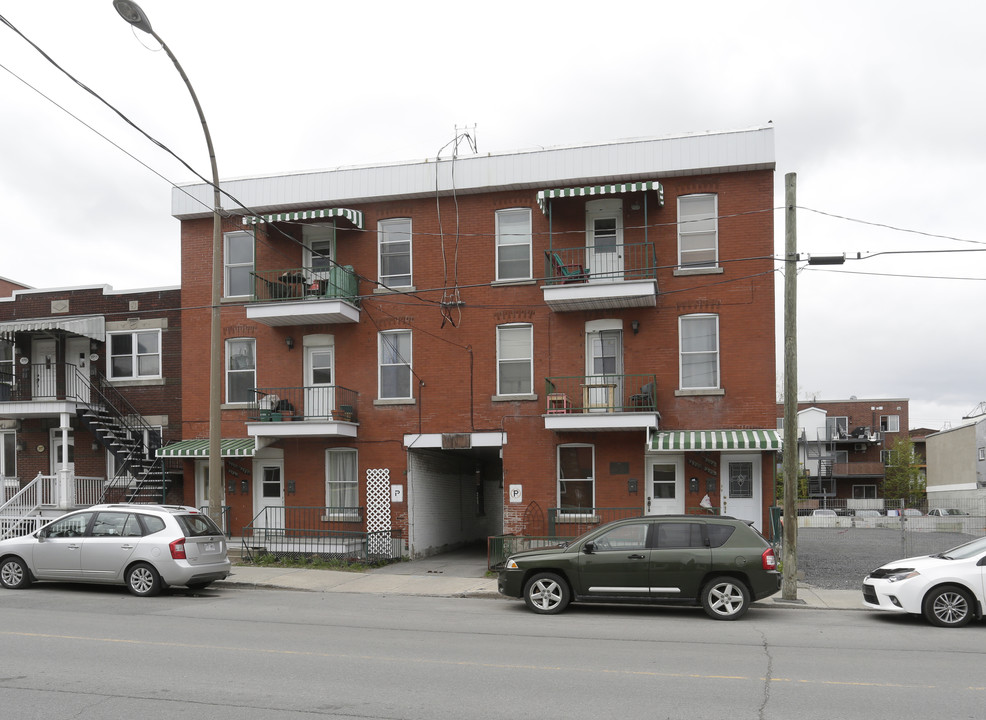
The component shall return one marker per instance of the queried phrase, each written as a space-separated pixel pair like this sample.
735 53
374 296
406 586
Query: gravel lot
839 558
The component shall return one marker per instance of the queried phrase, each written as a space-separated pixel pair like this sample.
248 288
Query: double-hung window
513 244
6 364
241 370
394 240
515 360
342 483
395 364
238 264
699 339
698 231
576 478
135 355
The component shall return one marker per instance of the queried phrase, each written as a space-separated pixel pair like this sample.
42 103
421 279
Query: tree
802 483
903 478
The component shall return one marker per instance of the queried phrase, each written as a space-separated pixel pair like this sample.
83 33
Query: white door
740 487
604 240
56 451
318 255
319 391
603 387
44 369
77 368
268 494
665 486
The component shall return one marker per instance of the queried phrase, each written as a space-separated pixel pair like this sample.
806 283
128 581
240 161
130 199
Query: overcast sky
878 108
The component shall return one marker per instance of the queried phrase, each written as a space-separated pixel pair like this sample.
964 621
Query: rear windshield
194 525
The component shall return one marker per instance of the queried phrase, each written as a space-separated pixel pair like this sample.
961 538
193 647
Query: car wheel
14 574
546 593
948 607
725 598
143 580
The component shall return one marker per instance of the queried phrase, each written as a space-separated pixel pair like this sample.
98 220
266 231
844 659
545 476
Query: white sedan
946 588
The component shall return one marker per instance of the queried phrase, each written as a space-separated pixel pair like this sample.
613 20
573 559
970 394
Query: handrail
25 512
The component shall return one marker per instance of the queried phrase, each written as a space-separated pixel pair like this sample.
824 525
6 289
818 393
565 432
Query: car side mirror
589 547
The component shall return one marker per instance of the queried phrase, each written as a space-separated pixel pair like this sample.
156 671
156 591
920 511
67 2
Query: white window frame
6 363
231 269
524 356
886 421
146 432
509 237
832 425
385 344
384 228
982 453
693 225
230 370
135 355
591 480
688 320
8 463
343 486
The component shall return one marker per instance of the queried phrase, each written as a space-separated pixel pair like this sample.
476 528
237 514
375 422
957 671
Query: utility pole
789 589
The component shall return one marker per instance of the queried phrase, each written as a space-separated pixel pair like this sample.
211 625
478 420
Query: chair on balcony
558 402
275 290
644 400
568 272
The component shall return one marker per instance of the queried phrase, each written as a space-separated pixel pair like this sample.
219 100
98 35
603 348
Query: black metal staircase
140 476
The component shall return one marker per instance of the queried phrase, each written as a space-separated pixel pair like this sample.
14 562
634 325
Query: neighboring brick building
97 371
495 344
842 444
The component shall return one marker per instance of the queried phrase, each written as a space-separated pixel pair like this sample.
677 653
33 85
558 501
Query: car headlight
902 575
511 564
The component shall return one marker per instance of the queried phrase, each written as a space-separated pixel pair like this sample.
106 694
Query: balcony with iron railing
603 277
601 402
42 389
311 411
304 296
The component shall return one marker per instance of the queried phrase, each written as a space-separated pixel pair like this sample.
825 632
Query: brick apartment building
843 444
518 343
95 371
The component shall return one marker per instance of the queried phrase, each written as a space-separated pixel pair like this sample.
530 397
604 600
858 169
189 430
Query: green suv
720 563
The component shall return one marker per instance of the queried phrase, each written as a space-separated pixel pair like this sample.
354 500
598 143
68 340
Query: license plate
209 547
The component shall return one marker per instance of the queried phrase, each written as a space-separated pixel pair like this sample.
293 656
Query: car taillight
768 559
177 549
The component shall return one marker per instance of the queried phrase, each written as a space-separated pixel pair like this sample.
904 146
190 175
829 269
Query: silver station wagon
145 547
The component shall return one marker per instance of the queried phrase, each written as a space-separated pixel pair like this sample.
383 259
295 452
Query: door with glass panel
319 391
268 494
604 240
665 487
603 387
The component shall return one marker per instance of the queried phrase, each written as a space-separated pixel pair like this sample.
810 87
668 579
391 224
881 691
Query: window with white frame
394 241
134 355
699 342
342 483
515 359
513 244
6 363
837 427
151 436
982 453
8 460
241 370
698 231
395 364
576 478
890 423
238 264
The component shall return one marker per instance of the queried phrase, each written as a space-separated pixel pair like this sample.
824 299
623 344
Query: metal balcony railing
336 283
319 402
610 263
43 381
601 394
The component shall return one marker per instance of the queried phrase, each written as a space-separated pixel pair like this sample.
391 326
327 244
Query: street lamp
131 12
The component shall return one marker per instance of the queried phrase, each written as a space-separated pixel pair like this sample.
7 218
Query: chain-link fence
840 541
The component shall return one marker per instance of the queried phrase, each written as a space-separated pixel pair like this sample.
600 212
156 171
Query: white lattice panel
378 509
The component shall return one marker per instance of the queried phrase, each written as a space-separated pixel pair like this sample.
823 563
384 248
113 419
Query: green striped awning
716 440
229 447
545 195
353 216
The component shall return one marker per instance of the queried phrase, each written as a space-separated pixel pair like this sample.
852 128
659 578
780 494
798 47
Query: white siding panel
639 159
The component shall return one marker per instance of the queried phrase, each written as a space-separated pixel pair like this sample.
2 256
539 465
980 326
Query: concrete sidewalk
442 584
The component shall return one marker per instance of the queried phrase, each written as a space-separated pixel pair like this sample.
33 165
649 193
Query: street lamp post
131 12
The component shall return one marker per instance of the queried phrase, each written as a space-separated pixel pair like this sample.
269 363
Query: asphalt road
98 653
839 558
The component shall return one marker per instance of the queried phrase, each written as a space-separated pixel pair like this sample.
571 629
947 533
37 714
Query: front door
740 487
665 486
77 368
319 391
603 389
268 494
58 452
604 240
44 375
